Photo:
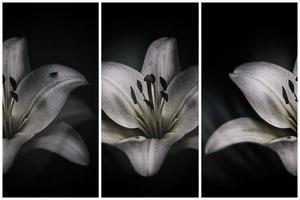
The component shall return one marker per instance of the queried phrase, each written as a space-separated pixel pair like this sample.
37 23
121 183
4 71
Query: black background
66 34
233 34
127 31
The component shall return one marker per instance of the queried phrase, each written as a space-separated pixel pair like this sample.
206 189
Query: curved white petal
11 148
183 101
286 148
147 155
295 70
15 59
189 141
243 130
162 59
248 130
42 94
262 84
62 139
112 133
74 111
117 102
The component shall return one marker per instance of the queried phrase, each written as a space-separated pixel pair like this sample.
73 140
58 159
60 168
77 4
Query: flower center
149 112
9 99
292 112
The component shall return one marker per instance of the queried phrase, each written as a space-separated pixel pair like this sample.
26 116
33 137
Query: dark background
233 34
127 31
66 34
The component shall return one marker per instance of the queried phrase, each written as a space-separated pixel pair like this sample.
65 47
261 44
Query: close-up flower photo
49 126
249 100
149 110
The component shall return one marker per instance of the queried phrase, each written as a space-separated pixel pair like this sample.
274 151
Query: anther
133 95
3 79
14 95
53 74
13 83
291 85
140 86
163 83
149 103
164 96
285 97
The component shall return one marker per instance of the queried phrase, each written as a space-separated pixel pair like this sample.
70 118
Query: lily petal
262 84
248 130
286 148
15 58
42 94
189 141
147 155
162 59
295 70
11 148
183 101
117 102
74 111
63 140
112 132
243 130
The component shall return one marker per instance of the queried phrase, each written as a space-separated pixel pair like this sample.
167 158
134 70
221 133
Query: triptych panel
177 99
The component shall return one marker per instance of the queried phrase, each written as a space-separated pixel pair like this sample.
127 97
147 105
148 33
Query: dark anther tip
164 96
133 95
13 83
53 74
140 86
291 85
285 97
296 79
163 83
149 103
150 78
3 79
14 95
153 78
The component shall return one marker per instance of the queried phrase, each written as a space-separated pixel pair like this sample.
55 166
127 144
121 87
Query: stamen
149 79
285 97
13 83
3 79
140 86
291 85
149 103
164 96
163 83
133 95
53 74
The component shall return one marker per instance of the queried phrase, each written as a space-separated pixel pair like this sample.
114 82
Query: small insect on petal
140 86
53 74
164 96
291 85
14 95
163 83
149 103
133 95
13 83
285 97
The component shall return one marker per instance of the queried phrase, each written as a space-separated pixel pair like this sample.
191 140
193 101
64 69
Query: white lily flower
272 92
150 110
33 112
